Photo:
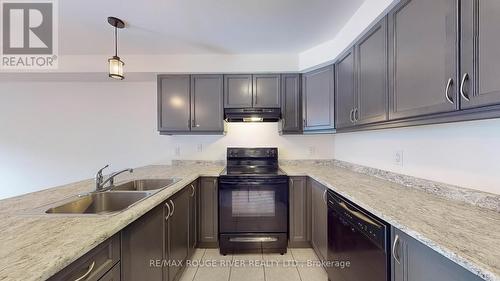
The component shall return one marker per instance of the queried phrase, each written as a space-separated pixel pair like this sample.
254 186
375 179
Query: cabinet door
371 56
177 228
300 213
113 274
291 105
266 90
479 53
414 261
173 103
142 241
208 213
207 111
422 50
193 217
319 220
345 78
237 91
318 97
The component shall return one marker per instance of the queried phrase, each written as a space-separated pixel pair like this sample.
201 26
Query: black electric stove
253 202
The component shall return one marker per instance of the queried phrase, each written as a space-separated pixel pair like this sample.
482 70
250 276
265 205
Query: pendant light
115 64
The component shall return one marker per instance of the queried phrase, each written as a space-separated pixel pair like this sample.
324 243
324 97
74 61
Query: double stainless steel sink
116 199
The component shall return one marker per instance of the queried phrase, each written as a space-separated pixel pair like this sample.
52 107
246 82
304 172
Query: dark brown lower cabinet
176 234
113 274
208 213
193 217
300 213
319 219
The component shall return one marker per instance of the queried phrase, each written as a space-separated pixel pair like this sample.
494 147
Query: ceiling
201 26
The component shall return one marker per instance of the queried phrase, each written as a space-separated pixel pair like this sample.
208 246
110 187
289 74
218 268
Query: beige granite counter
34 247
467 234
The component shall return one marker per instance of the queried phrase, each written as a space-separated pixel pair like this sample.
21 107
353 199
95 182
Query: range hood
252 114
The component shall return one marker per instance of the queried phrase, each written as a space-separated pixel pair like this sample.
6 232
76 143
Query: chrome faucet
100 181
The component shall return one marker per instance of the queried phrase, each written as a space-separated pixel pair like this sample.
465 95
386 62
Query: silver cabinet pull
462 84
356 114
291 182
169 211
447 90
395 245
193 189
173 208
86 274
351 117
324 196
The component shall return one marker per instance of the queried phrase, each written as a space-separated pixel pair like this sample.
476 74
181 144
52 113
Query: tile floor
209 265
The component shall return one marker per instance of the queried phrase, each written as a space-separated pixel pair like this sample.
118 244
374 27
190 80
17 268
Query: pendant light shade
115 63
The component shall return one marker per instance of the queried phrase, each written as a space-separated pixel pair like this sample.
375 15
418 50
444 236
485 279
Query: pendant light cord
116 41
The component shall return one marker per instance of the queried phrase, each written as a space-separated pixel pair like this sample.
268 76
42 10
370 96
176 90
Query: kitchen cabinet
190 104
142 242
176 233
319 219
423 58
193 217
413 261
291 104
345 90
318 99
372 92
93 265
208 213
207 112
480 63
300 213
247 90
113 274
266 90
238 91
173 103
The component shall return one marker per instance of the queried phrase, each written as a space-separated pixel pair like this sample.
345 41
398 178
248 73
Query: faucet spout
100 182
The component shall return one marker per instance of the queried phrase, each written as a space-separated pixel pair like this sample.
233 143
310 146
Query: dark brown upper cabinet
190 104
480 62
246 90
318 99
345 90
372 92
291 104
423 58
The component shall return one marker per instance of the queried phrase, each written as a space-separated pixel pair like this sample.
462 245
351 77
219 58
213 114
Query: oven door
253 205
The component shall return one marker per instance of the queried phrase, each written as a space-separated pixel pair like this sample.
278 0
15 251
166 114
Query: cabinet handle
448 85
395 245
462 84
173 208
169 211
356 114
304 123
193 189
350 115
324 196
89 270
291 182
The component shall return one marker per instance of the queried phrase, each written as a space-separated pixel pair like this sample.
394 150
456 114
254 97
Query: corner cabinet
318 99
480 62
413 261
190 104
291 104
423 58
345 90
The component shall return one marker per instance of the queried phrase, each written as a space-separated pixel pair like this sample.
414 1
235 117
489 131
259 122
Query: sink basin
99 203
145 184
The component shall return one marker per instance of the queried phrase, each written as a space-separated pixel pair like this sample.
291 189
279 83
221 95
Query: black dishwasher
356 240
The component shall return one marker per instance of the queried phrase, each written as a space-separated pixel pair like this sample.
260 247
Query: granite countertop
34 247
467 234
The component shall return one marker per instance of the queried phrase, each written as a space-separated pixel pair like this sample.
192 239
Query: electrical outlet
312 150
177 151
199 148
398 158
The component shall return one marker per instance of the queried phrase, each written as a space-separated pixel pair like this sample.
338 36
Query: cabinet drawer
93 265
113 274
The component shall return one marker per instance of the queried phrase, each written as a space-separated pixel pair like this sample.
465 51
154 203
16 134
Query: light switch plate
398 158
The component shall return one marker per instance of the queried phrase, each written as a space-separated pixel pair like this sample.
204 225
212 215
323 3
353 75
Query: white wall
58 132
465 154
368 14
